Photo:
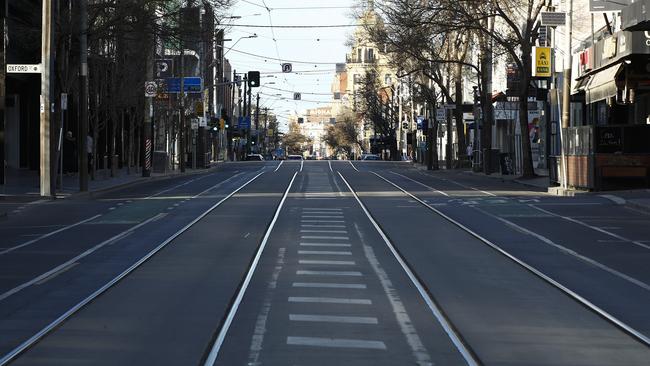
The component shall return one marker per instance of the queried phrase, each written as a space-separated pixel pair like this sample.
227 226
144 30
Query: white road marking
615 199
320 213
56 274
358 286
437 313
600 230
333 319
322 209
279 165
330 164
260 325
247 235
309 225
325 221
342 263
301 163
355 168
321 216
325 245
331 300
571 252
30 242
325 237
422 184
214 351
401 315
73 260
322 252
335 343
329 273
325 231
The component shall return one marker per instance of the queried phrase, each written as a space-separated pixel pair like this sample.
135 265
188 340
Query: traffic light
253 79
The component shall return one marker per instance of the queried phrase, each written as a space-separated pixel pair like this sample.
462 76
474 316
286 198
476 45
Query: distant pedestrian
470 152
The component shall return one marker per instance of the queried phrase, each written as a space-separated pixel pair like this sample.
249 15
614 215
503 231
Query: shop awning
602 84
581 84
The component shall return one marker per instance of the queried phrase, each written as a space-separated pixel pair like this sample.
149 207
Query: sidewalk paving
23 186
638 198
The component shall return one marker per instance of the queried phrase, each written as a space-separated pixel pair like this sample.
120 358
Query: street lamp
240 38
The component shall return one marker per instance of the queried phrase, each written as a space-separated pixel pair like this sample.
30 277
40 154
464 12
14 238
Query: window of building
356 78
371 55
359 55
388 79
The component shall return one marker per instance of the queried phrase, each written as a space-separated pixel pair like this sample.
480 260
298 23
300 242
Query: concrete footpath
22 189
637 198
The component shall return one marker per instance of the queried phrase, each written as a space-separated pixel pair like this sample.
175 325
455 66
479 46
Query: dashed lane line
333 319
335 343
329 273
357 286
323 252
330 300
339 263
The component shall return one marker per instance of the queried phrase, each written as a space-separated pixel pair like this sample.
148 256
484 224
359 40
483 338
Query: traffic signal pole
47 188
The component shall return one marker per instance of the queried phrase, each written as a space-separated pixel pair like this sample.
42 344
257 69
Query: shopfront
607 145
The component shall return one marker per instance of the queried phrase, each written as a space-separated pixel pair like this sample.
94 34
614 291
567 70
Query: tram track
43 332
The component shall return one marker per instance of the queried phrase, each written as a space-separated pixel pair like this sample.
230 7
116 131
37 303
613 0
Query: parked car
294 157
254 157
370 157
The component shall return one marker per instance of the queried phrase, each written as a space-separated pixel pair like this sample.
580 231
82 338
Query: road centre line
330 300
214 351
325 245
54 324
462 348
358 286
422 184
331 263
335 343
333 319
329 273
323 252
623 326
600 230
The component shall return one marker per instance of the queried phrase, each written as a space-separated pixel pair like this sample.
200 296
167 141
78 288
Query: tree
294 141
343 136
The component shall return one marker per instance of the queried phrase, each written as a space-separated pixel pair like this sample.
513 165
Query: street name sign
608 5
553 18
24 69
191 85
449 106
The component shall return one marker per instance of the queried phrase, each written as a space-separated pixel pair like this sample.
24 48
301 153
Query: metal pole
181 116
83 96
46 181
566 92
3 76
257 123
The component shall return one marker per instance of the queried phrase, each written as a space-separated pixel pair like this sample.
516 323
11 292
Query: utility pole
147 131
229 133
245 82
83 96
3 83
257 123
566 91
181 110
46 131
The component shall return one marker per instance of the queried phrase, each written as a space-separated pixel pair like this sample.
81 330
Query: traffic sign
297 96
449 106
24 69
191 85
553 18
441 114
64 101
150 89
287 67
163 68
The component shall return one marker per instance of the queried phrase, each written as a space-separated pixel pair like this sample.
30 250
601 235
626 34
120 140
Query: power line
289 91
295 26
278 59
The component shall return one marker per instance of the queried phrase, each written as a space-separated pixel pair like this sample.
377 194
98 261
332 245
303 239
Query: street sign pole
47 188
3 75
82 137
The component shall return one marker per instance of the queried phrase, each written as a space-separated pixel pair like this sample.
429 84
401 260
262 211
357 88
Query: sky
313 52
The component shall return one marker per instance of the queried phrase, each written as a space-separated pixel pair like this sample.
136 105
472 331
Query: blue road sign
243 123
191 85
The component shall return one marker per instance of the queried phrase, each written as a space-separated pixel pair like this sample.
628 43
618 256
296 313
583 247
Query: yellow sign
222 123
198 108
269 132
542 66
